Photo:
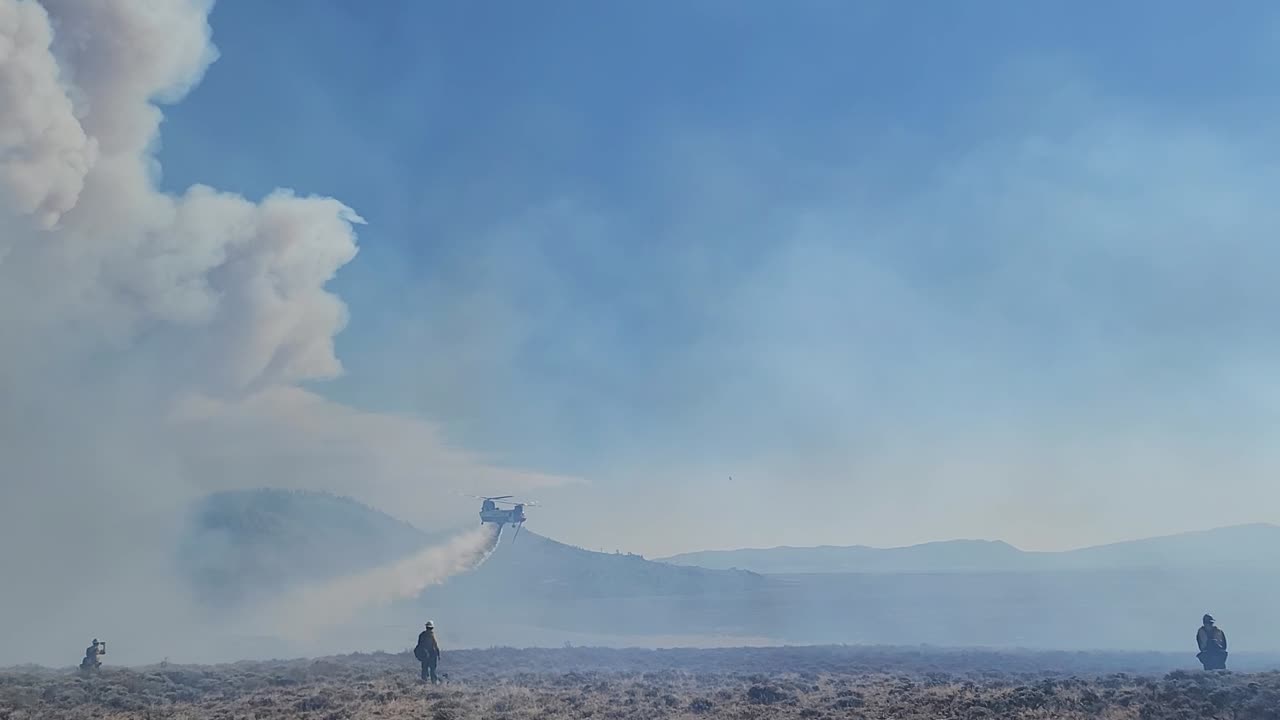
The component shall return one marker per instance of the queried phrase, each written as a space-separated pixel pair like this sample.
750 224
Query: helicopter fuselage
491 513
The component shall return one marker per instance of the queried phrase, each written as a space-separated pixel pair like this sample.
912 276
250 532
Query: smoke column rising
155 344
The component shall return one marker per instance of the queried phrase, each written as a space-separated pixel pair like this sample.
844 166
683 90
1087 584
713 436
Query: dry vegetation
605 684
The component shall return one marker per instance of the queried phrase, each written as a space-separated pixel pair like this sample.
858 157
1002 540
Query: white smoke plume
306 612
153 343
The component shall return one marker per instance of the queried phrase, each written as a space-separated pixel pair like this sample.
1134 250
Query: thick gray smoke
153 344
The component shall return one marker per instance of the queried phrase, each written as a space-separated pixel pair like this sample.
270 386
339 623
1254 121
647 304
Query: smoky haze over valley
282 284
536 591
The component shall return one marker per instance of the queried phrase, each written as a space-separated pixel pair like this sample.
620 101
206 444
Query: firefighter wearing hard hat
428 652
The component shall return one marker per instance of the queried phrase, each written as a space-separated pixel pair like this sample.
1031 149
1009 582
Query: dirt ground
591 683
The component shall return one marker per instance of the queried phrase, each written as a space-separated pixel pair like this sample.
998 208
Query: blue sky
993 269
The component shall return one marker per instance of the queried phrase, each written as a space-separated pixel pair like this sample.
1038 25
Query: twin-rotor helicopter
514 515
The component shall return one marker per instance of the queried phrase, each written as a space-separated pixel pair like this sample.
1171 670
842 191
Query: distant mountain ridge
546 569
1144 594
1120 596
1252 546
246 543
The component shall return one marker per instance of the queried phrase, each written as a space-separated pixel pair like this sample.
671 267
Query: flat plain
542 684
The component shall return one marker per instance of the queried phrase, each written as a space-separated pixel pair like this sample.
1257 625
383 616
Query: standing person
428 652
1213 645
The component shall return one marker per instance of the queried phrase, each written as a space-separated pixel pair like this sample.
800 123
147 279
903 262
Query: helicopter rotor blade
469 495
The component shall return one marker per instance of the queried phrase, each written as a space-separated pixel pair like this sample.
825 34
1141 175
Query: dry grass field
501 683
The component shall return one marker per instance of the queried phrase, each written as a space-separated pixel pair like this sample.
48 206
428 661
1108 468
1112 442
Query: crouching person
91 655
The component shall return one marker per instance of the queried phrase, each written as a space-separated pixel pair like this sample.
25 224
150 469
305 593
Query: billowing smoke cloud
153 344
310 611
